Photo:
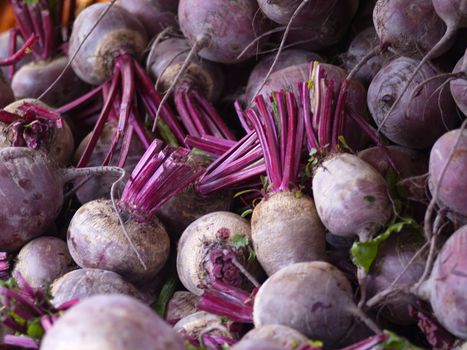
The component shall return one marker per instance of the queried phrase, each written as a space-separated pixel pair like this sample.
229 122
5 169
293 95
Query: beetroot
285 226
140 248
181 304
407 26
445 289
394 256
151 13
351 197
31 187
211 248
166 58
364 42
325 311
255 345
43 260
84 283
31 193
459 86
88 324
32 79
327 31
421 116
202 326
94 62
452 188
277 334
32 123
292 57
221 28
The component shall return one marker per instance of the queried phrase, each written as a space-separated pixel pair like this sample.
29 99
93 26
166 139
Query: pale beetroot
445 289
209 250
83 283
452 188
351 197
88 325
43 260
325 311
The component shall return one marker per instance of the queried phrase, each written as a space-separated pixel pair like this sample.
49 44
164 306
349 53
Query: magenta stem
97 131
94 93
18 55
241 117
339 115
212 117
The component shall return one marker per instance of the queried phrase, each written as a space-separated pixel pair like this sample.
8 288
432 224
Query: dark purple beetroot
43 260
280 11
420 117
392 262
459 86
94 62
84 283
327 30
452 191
226 27
34 78
408 26
189 205
99 186
6 94
167 57
181 210
30 193
364 42
292 57
408 162
151 14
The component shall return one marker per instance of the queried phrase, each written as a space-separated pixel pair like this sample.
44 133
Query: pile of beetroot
248 174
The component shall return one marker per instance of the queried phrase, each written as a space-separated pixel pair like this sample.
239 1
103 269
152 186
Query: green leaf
395 342
166 293
241 193
198 152
251 254
30 2
343 142
166 134
298 194
363 254
246 213
240 241
34 329
316 343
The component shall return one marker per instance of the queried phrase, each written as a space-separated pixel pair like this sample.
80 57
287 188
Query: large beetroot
422 115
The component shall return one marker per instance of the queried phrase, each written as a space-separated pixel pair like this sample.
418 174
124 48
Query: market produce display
233 174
